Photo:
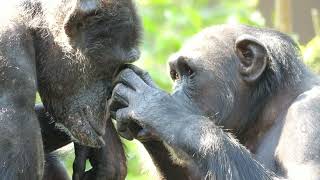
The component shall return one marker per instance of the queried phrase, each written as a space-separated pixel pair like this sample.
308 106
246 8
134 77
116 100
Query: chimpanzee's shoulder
307 105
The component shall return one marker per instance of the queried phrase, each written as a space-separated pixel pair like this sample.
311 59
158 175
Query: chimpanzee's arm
164 163
217 154
159 154
156 149
52 136
108 162
20 143
193 138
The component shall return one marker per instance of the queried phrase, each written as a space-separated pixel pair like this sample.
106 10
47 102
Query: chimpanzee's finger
89 175
146 135
126 135
143 74
79 164
121 127
124 118
131 79
123 131
120 97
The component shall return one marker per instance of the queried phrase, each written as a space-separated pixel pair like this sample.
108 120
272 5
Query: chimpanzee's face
105 31
216 70
106 34
204 75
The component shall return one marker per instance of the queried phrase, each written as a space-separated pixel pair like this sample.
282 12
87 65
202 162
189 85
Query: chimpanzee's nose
180 67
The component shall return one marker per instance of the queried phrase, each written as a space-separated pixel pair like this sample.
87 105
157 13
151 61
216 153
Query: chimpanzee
67 50
243 107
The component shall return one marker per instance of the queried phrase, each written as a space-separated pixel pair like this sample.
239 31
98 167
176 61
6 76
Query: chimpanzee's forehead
213 45
207 47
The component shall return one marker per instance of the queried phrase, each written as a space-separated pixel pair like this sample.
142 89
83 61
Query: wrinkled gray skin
228 79
67 50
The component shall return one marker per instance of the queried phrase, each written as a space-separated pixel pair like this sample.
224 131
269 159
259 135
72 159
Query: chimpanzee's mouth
128 56
133 55
88 137
118 70
96 127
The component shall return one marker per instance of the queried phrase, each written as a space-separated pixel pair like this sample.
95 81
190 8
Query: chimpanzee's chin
89 138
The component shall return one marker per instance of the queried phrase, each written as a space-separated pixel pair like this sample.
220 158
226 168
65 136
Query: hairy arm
159 154
164 163
20 144
194 139
108 162
216 153
52 136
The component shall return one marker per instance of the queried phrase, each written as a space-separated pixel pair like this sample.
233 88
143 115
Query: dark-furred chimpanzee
67 50
229 79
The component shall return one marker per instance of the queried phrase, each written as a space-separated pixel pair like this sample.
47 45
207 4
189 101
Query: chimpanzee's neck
273 108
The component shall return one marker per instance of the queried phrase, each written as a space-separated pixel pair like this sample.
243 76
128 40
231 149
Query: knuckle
132 113
122 126
117 91
145 74
125 73
120 116
117 87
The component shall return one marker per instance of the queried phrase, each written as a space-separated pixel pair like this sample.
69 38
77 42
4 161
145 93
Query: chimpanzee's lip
101 141
96 127
94 140
87 137
133 55
119 69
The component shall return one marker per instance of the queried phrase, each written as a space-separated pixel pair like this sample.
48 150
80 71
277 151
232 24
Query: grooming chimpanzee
229 79
67 50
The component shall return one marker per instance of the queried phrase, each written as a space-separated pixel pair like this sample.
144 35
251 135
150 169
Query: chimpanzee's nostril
183 67
174 75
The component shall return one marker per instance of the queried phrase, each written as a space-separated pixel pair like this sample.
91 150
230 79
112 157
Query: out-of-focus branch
283 17
316 21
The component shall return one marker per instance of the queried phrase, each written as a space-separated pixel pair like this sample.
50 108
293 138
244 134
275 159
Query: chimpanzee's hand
132 130
134 100
108 162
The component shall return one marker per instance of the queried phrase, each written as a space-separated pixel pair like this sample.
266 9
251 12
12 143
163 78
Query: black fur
229 79
67 50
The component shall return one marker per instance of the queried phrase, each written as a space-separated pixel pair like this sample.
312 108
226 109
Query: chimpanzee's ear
253 57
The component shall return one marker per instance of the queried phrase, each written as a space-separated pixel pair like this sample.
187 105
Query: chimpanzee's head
104 31
99 36
226 72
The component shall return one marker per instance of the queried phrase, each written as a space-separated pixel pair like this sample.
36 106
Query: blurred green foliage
167 24
311 54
